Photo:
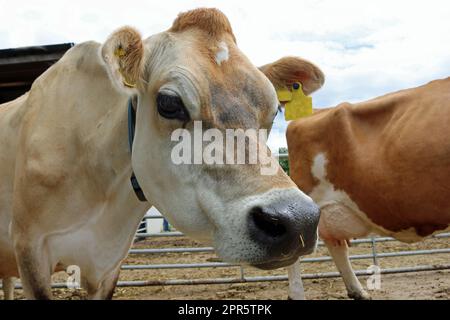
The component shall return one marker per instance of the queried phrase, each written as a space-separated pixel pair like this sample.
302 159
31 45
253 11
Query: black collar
131 125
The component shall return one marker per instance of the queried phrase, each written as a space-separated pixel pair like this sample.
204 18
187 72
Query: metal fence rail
304 260
274 278
374 255
322 275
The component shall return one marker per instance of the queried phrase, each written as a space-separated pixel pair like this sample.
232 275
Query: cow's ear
288 70
123 53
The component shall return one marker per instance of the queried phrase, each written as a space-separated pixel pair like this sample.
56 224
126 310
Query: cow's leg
296 291
105 289
8 288
339 252
34 269
338 223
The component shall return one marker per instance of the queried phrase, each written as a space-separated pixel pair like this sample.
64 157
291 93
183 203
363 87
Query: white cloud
365 48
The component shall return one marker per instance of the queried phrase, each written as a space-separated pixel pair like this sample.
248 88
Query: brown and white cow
380 166
65 193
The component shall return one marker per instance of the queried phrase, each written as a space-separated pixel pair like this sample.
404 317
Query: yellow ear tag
299 106
120 53
284 95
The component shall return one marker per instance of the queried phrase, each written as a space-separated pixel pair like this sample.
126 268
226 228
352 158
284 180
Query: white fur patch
318 168
324 194
222 54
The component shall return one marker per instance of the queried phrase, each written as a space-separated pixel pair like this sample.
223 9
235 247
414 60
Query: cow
380 166
66 197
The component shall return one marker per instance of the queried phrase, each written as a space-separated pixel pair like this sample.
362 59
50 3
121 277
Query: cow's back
391 155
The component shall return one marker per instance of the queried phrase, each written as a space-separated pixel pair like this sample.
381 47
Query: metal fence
374 256
243 278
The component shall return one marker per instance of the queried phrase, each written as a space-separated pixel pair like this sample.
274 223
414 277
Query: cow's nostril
267 223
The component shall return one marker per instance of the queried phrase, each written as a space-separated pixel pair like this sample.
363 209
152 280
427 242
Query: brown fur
285 71
210 20
390 155
128 40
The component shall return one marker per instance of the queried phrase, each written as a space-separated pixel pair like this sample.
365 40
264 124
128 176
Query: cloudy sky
365 48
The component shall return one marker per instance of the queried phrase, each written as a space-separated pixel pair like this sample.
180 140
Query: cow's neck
110 157
111 169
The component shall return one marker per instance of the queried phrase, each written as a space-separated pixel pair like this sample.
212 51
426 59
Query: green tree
284 161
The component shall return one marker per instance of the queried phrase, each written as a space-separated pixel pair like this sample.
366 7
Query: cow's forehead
234 92
241 101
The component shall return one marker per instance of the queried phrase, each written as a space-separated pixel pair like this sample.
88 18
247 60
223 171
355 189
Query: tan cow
66 197
381 166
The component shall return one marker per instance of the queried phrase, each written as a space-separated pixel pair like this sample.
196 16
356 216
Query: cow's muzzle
286 229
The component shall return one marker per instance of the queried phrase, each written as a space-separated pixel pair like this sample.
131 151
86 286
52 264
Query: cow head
193 76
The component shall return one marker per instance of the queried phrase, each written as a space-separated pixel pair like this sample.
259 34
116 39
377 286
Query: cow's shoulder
84 50
57 113
83 57
308 137
438 83
320 124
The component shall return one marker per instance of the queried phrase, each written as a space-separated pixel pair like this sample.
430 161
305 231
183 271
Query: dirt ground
419 285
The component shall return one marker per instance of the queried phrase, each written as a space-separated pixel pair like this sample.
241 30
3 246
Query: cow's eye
171 107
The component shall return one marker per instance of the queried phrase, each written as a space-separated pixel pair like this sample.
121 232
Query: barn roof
19 67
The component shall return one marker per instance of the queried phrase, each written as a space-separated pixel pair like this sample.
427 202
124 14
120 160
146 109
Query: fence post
242 273
374 251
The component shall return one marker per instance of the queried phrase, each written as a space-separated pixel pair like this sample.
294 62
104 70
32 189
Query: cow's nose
286 228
